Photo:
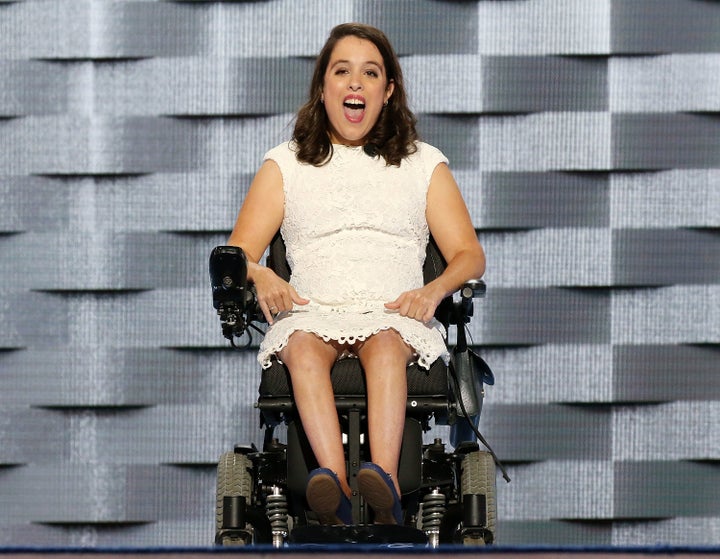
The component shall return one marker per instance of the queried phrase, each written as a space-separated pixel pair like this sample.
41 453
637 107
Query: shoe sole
378 495
323 496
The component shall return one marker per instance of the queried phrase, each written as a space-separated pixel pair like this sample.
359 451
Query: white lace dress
355 234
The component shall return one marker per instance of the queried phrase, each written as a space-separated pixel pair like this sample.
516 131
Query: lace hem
427 340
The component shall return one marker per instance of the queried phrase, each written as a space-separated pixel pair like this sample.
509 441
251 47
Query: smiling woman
355 90
355 196
392 133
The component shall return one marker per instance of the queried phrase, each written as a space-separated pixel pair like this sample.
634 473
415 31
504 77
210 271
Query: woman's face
354 90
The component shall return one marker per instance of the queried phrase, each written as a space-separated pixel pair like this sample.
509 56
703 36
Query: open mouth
354 108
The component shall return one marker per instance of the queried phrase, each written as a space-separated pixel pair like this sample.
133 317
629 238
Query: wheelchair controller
233 299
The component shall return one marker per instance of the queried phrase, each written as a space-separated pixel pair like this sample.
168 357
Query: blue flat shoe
327 499
378 490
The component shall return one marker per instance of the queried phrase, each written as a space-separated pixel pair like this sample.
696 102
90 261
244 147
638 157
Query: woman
355 195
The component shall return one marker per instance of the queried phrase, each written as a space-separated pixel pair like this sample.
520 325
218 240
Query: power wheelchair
448 495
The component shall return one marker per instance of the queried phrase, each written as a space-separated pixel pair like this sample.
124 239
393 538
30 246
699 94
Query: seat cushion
348 379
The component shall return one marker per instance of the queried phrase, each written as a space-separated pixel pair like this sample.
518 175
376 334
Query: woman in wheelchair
355 195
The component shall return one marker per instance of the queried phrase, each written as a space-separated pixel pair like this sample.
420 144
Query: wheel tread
233 480
478 477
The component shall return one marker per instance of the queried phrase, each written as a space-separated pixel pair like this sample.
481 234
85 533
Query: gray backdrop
586 138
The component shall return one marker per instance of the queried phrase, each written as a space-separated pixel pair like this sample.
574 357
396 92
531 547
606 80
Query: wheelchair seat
434 483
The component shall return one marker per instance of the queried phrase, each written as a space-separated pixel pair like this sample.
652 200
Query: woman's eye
372 73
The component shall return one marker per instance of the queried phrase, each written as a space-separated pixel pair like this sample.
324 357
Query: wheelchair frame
448 496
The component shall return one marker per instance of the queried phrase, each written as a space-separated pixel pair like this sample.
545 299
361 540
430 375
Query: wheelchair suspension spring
277 513
433 510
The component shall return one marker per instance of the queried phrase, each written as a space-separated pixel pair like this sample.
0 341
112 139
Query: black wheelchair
448 495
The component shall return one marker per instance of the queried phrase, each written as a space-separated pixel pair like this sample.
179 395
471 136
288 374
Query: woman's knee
306 350
385 345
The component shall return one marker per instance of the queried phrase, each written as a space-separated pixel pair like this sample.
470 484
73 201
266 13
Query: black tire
477 477
234 479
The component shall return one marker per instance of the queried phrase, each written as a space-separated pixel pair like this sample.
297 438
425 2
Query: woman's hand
274 294
419 304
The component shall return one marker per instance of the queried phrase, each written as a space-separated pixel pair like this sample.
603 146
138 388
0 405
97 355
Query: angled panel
660 26
172 318
458 136
572 489
115 377
534 432
155 202
662 373
162 317
550 373
183 434
433 86
27 435
544 27
668 315
535 533
31 202
512 316
549 257
665 256
679 531
115 145
536 142
46 29
665 141
32 87
670 83
666 489
128 29
674 198
108 261
104 493
671 431
174 533
26 317
201 86
529 200
62 29
544 83
424 27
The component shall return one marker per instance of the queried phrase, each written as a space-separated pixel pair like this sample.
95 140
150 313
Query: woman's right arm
258 220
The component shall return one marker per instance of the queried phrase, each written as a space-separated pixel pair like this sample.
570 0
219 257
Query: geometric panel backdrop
586 139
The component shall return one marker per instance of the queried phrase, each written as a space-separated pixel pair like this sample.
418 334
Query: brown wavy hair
393 137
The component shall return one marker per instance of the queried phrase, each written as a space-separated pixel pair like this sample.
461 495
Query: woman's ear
389 90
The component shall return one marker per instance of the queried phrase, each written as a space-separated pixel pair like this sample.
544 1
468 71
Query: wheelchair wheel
478 478
233 480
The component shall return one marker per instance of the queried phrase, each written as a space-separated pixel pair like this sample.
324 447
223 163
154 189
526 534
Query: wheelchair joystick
233 298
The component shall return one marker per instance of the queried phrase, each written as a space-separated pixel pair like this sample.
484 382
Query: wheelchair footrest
374 534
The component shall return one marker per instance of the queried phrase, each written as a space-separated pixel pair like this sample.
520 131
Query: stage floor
361 551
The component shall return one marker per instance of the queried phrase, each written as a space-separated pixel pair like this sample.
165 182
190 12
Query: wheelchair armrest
473 289
458 312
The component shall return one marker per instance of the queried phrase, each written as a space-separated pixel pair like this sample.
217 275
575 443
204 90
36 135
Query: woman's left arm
451 227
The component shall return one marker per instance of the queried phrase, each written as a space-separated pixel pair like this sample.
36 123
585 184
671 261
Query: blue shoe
327 499
379 492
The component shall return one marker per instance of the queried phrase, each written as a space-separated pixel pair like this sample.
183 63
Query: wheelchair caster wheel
477 480
234 489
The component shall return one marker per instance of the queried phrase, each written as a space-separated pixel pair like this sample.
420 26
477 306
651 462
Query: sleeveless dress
355 234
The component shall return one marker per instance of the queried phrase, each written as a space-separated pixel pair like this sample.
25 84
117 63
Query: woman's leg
309 360
384 357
